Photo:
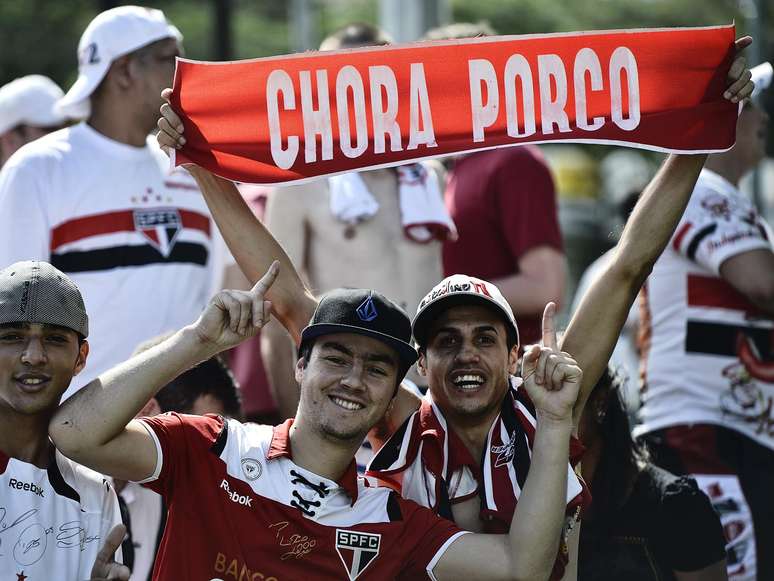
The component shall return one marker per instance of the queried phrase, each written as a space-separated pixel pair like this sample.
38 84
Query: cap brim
422 320
406 352
75 104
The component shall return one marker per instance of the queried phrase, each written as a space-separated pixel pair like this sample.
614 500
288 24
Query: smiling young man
277 502
474 416
54 513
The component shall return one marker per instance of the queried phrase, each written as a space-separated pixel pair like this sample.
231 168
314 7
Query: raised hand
551 377
233 316
105 568
170 126
739 84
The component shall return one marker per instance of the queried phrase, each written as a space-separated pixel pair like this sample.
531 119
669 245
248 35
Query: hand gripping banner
290 118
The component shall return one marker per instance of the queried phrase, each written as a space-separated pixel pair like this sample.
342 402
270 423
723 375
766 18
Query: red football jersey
239 508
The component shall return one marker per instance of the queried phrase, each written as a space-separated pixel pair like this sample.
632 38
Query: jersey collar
280 448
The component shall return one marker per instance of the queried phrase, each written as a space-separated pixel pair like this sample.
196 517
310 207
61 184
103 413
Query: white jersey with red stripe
708 353
240 508
136 239
52 520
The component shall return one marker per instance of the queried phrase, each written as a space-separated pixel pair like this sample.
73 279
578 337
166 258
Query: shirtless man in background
356 248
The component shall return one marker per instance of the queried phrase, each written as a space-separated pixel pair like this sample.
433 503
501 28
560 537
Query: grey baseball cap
37 292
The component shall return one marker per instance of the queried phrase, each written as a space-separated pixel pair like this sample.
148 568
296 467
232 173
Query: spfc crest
357 550
160 226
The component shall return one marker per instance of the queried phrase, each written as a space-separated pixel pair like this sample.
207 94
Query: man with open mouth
469 448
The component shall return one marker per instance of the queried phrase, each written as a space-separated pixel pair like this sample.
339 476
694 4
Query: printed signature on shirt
299 546
32 542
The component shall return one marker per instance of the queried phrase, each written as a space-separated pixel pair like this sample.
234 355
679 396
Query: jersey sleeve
693 536
526 201
24 223
716 227
425 540
180 439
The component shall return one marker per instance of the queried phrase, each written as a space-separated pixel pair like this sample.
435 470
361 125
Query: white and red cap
30 100
111 35
458 290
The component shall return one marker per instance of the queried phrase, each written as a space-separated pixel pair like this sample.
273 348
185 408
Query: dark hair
211 377
355 35
511 340
622 458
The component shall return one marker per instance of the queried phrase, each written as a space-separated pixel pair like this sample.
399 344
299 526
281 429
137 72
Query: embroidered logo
160 227
251 468
357 550
367 310
504 453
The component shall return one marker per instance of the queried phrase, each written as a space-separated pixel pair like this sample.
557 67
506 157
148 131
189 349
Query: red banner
295 117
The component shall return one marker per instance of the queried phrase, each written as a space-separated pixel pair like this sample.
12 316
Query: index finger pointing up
549 327
113 540
264 284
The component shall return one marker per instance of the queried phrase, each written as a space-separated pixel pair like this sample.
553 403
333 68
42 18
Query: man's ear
513 360
300 368
422 363
120 73
80 361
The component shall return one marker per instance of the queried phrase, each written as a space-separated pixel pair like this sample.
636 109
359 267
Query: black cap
364 312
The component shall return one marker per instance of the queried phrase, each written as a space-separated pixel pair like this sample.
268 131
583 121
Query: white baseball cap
110 35
30 100
761 76
458 290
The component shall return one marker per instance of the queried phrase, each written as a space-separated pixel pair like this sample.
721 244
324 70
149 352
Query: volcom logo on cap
367 309
357 550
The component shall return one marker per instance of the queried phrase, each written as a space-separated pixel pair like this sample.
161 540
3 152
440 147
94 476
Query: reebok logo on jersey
235 497
26 486
357 550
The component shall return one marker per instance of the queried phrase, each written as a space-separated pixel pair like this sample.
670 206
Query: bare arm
252 245
598 321
552 380
540 280
95 426
279 356
601 314
752 274
254 249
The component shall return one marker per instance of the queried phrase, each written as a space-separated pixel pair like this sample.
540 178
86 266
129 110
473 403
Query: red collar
459 455
280 448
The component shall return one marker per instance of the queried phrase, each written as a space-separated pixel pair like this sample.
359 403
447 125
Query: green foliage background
40 36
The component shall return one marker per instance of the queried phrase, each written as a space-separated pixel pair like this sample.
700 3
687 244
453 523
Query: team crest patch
357 550
251 468
367 310
160 227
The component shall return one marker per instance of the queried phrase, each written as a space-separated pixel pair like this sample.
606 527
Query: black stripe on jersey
521 459
57 480
389 453
700 235
126 256
220 443
720 339
393 508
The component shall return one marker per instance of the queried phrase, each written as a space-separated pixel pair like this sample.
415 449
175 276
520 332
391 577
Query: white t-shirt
707 350
53 521
138 241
